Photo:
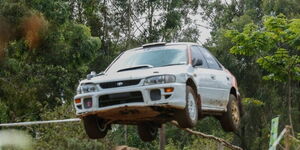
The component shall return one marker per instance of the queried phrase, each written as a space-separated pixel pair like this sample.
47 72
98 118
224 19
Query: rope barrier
38 122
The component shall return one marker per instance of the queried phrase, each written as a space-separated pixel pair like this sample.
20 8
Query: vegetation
46 46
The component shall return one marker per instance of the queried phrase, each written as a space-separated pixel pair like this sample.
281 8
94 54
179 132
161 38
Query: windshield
150 57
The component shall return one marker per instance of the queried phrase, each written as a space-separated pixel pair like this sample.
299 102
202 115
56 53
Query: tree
43 59
276 47
234 15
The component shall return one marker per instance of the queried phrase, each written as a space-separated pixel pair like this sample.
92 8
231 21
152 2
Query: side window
197 55
211 61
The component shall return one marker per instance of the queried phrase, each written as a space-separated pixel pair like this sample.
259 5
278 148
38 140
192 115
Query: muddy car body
157 83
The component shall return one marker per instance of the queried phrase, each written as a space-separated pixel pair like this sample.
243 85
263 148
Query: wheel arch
191 82
233 91
238 97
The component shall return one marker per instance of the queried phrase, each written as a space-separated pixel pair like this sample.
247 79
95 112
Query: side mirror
197 62
91 75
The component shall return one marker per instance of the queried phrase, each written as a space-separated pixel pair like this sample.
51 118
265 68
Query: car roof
162 44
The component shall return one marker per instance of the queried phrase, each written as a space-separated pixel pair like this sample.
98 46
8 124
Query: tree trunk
243 137
128 24
150 20
162 137
290 104
104 44
73 12
125 134
80 11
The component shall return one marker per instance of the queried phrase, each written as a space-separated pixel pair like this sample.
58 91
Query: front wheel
188 117
230 120
95 127
147 132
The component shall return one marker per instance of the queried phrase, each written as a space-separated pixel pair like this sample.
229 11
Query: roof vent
154 44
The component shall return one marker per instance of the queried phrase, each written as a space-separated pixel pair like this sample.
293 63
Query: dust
33 27
15 139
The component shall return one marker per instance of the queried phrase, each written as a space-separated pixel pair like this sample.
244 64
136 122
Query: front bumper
175 99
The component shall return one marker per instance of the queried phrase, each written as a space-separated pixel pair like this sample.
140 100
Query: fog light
79 106
155 95
168 90
77 101
87 102
167 96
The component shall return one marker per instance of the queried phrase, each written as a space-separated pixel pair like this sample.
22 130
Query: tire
230 121
188 117
147 132
94 127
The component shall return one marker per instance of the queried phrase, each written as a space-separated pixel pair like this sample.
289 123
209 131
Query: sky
202 25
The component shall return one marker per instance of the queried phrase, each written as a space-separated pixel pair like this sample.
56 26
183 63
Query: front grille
114 84
120 98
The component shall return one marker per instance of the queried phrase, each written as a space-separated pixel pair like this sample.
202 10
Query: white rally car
154 84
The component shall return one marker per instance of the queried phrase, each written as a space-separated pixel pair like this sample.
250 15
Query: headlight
161 79
87 88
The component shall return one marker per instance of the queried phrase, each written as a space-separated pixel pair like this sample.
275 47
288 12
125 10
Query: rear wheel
147 131
230 120
188 117
95 127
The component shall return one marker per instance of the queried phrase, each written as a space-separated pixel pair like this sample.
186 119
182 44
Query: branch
227 144
130 17
204 26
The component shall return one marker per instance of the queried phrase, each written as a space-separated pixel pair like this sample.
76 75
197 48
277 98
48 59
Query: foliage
41 67
252 101
274 49
277 39
46 46
245 22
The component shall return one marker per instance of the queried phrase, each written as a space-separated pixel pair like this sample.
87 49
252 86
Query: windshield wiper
173 64
135 67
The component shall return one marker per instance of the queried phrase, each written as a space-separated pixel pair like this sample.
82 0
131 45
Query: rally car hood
138 73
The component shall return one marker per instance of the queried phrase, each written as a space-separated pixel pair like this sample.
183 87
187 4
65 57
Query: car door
206 85
220 80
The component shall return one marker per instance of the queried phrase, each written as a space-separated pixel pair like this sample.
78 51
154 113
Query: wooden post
287 138
125 135
220 146
162 137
